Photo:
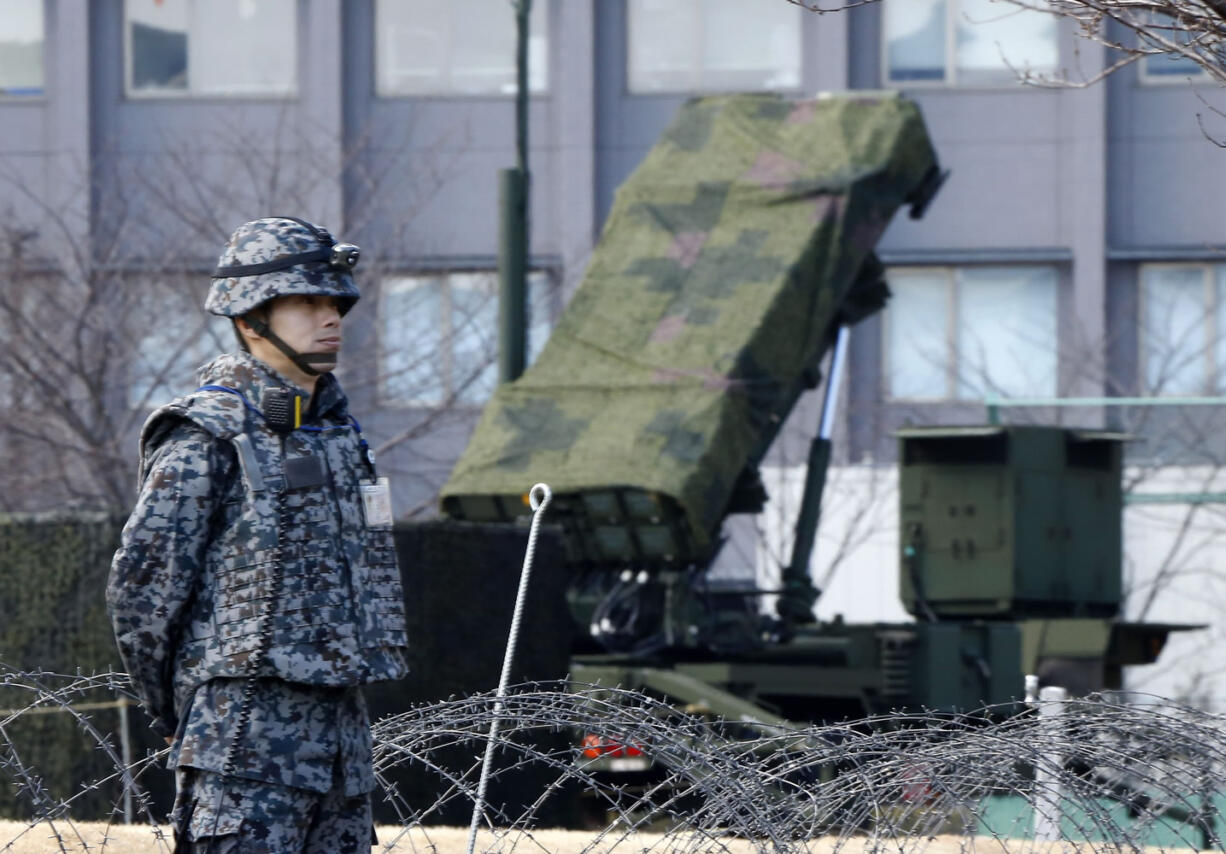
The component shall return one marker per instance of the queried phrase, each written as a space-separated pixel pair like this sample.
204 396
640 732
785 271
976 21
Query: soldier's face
307 323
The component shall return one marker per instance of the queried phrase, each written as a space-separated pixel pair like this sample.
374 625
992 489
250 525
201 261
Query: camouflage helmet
279 256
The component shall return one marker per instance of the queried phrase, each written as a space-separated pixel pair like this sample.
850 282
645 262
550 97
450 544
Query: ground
96 837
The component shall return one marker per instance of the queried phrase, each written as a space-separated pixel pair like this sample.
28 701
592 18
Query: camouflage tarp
716 286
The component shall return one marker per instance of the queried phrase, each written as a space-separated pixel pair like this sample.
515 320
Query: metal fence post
125 749
1047 789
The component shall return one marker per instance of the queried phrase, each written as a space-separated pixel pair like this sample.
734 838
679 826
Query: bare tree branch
1194 30
101 295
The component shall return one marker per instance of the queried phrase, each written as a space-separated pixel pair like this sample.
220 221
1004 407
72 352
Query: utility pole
513 237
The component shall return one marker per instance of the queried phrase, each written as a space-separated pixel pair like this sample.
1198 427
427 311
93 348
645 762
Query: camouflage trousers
218 815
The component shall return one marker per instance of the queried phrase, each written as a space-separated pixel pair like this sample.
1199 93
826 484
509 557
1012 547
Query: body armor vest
294 584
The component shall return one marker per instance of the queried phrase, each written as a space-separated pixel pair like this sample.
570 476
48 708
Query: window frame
448 396
188 94
951 335
949 77
389 285
1145 78
211 330
1160 80
18 315
699 33
953 357
1214 373
8 96
546 87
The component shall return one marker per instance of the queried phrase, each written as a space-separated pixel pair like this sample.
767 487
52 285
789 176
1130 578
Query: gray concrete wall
1168 190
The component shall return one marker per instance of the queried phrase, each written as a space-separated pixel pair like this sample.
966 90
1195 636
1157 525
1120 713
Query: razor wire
1119 773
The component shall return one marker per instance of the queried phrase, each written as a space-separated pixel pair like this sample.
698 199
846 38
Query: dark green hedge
52 585
460 582
52 595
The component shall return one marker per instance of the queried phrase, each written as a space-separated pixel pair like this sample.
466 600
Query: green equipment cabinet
1010 522
963 666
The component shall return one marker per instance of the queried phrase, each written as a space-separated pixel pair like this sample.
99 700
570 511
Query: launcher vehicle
733 262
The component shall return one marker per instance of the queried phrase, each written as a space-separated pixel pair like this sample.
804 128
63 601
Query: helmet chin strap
304 361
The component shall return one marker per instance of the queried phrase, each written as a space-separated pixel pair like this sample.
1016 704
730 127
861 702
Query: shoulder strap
253 475
221 415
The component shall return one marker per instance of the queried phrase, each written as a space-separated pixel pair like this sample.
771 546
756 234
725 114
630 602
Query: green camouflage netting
726 264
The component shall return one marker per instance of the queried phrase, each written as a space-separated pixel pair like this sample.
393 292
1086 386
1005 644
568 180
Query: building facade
1075 250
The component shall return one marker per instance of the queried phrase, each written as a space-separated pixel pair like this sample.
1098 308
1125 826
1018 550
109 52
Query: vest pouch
313 605
381 591
244 591
316 604
215 817
310 520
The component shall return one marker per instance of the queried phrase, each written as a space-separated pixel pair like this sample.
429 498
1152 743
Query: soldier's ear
246 331
251 325
243 329
239 335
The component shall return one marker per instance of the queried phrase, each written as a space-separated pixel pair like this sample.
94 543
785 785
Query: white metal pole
125 750
1047 790
830 402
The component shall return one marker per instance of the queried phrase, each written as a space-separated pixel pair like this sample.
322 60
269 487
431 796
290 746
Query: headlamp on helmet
344 257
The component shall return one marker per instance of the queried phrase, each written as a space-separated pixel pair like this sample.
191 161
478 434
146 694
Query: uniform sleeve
160 557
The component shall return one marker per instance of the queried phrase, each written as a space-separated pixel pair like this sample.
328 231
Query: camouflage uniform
250 602
263 817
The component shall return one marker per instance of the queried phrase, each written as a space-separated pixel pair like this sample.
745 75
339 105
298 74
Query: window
212 47
29 316
21 48
966 42
967 332
455 47
712 45
167 358
439 336
1169 67
1183 328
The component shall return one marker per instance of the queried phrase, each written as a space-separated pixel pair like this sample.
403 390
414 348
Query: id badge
376 503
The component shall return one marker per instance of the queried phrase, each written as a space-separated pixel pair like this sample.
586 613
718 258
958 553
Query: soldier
255 588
